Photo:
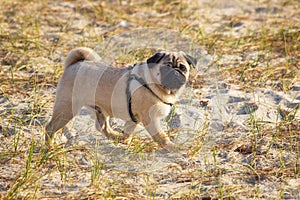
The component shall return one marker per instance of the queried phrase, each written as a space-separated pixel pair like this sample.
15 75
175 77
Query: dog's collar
128 94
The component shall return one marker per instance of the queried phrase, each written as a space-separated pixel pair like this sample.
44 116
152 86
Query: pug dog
140 94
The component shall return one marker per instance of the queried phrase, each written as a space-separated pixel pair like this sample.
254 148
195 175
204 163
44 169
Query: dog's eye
182 68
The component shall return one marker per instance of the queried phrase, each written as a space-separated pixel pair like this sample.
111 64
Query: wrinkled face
171 69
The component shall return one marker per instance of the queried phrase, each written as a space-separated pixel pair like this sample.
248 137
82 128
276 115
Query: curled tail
79 54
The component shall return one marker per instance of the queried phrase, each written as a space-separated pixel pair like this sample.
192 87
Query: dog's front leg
102 125
158 135
129 128
151 122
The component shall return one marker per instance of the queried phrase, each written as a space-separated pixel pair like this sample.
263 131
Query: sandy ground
226 130
221 116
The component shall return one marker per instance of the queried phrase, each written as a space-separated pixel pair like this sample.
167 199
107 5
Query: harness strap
128 94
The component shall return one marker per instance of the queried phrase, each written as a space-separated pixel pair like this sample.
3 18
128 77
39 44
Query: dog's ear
156 58
191 60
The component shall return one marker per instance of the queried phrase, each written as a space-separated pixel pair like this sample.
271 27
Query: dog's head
171 69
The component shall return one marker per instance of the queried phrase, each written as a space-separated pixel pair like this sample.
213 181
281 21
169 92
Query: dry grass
36 35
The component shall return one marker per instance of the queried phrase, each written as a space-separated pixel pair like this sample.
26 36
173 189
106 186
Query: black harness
128 94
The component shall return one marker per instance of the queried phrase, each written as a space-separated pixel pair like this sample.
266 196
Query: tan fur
103 90
80 54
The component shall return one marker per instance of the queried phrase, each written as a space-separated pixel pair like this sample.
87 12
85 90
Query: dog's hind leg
100 119
62 114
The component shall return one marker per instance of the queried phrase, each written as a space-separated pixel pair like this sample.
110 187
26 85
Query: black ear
191 60
155 59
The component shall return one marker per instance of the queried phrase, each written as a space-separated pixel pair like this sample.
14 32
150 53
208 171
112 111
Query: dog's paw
169 148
